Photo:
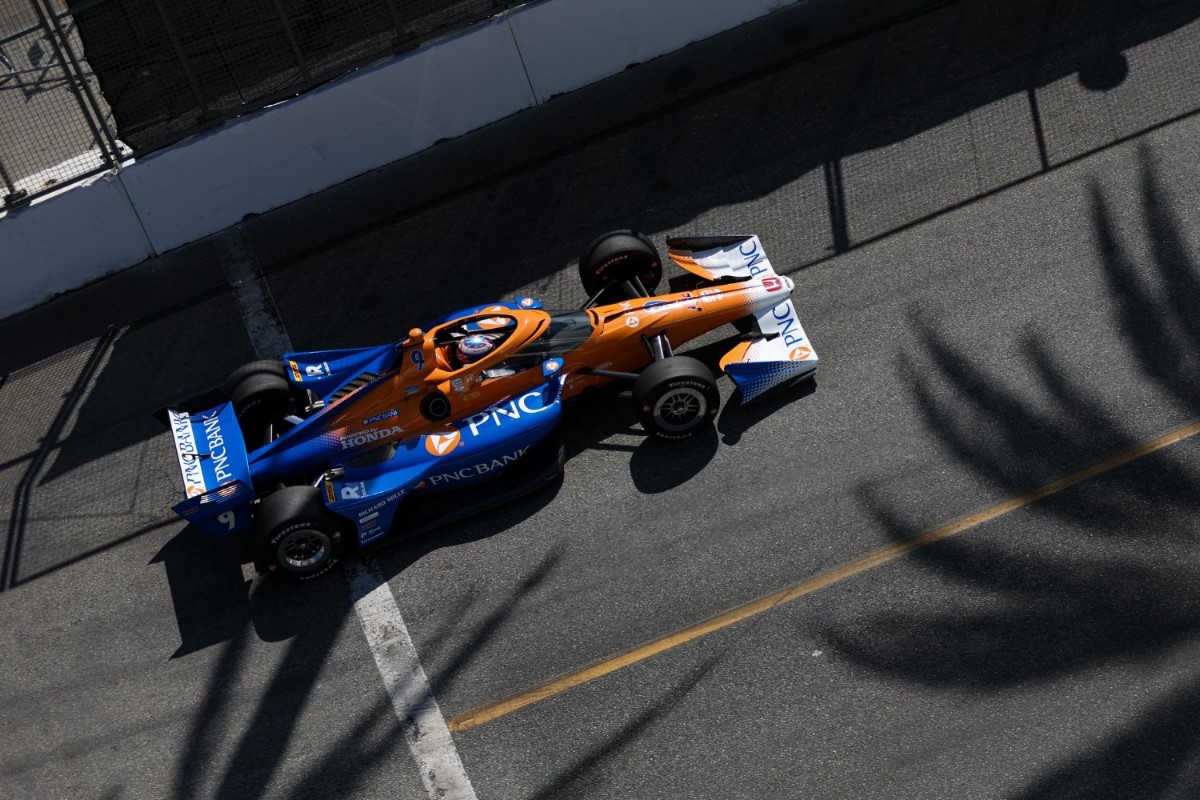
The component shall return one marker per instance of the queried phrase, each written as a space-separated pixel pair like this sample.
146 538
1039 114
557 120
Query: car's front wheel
297 538
617 257
676 398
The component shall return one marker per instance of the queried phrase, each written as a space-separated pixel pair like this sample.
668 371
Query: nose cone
778 283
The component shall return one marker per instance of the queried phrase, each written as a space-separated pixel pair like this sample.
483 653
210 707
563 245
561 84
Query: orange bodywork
617 342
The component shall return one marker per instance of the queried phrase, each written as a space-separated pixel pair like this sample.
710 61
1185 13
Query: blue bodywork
371 489
481 447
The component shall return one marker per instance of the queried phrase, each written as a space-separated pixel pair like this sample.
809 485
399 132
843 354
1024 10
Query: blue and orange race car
317 452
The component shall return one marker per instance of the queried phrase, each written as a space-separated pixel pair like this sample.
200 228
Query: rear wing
778 351
213 464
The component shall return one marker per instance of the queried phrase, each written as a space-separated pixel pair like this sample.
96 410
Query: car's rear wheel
620 256
676 398
261 397
296 537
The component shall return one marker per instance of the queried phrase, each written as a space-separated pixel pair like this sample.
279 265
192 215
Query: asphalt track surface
989 211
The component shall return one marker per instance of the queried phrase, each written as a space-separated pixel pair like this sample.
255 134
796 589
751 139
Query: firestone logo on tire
439 444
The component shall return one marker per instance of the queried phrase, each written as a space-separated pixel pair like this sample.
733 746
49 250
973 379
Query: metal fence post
395 15
111 154
7 181
74 80
291 37
183 61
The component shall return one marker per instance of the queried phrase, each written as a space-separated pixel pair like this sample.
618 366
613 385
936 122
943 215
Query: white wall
66 239
364 121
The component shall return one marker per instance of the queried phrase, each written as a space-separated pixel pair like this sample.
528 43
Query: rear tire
261 396
620 256
676 398
296 537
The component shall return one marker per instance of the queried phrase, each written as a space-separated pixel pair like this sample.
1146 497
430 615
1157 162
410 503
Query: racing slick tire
676 398
261 395
619 256
295 537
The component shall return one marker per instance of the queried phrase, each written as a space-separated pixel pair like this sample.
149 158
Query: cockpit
564 332
448 341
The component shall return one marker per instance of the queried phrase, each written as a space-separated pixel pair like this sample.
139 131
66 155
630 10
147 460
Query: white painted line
404 679
251 294
421 719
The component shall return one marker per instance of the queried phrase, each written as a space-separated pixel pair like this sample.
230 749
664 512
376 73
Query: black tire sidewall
270 548
679 372
260 394
619 256
287 510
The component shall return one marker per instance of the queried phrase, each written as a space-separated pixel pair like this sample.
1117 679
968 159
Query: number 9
228 517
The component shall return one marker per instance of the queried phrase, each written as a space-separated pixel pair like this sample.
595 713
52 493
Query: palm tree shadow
1150 758
1111 588
313 619
216 607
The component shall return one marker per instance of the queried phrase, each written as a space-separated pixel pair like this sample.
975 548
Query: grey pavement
989 213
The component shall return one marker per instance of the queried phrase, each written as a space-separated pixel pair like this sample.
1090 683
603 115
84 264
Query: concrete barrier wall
67 239
364 121
329 135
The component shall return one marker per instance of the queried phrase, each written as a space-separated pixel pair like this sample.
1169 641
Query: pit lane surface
1002 285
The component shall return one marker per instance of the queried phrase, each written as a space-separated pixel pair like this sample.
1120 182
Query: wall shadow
856 132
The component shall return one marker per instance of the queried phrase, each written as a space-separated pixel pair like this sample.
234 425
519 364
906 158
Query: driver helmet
474 347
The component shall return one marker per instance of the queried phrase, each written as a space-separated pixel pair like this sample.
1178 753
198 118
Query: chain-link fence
54 124
85 83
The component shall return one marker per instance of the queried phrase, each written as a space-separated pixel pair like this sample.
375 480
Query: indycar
314 454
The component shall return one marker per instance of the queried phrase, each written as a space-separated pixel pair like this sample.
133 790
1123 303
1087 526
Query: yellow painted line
555 686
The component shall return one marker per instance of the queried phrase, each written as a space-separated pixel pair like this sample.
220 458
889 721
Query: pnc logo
799 353
439 444
632 321
772 284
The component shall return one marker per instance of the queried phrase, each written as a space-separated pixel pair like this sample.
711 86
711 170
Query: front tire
676 398
620 256
296 537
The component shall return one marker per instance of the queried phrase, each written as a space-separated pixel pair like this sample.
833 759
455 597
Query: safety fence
84 84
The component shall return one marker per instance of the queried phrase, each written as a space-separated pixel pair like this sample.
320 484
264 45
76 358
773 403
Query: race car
309 456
